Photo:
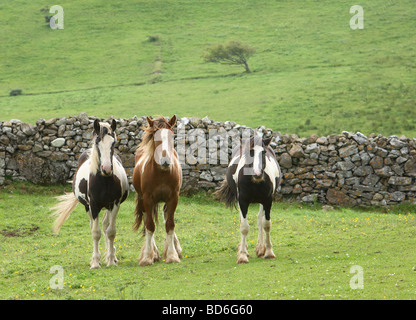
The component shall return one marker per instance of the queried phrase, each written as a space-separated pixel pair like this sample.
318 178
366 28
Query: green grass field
315 252
311 72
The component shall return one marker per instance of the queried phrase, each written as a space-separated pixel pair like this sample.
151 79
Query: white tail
63 209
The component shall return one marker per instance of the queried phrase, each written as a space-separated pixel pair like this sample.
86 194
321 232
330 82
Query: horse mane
147 146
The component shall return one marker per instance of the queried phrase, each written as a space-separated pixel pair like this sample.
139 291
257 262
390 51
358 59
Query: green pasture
311 72
315 251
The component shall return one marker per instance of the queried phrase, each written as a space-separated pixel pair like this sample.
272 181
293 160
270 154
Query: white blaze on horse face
257 163
105 152
163 151
165 140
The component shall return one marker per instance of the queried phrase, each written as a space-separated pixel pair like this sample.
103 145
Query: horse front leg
172 251
260 248
242 251
147 255
96 235
109 226
175 240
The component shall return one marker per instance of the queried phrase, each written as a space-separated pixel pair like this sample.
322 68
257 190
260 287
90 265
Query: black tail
225 194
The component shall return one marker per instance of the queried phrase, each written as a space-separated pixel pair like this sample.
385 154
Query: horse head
104 140
255 152
163 137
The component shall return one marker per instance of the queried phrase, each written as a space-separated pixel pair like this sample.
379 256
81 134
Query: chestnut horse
157 177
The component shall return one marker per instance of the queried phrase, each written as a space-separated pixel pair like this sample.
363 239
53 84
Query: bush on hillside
232 52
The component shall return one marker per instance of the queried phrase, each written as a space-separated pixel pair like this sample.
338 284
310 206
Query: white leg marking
146 257
269 254
242 254
96 235
110 234
169 250
260 249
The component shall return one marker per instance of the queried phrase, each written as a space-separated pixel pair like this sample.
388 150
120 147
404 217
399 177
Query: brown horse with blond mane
157 177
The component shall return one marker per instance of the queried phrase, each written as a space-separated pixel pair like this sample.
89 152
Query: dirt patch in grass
19 232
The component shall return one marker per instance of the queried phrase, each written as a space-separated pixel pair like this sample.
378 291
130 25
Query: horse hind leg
269 254
177 245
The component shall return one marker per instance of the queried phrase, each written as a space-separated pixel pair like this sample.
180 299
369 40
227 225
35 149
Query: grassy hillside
311 72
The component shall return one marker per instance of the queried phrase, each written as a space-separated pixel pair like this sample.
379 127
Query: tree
232 52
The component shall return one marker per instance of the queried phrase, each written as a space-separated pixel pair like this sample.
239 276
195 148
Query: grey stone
400 181
312 148
296 151
345 165
58 142
348 151
285 161
360 138
397 144
397 196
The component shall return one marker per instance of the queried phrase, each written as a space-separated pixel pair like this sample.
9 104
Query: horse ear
267 141
113 125
172 121
97 126
149 121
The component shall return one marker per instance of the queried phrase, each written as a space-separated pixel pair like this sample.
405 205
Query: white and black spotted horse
99 182
253 176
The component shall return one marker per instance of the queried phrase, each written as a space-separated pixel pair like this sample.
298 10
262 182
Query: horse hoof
95 265
156 256
260 250
112 263
146 262
269 255
242 259
173 260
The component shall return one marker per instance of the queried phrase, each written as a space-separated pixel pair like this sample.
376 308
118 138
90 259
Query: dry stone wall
345 169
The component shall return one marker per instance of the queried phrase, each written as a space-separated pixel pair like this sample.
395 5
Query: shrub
232 52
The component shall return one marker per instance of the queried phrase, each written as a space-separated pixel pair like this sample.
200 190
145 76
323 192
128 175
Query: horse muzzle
106 171
258 177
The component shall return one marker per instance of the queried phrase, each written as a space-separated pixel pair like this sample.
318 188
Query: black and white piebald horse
253 175
99 182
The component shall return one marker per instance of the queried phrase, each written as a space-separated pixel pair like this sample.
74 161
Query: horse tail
155 214
139 215
225 194
63 209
